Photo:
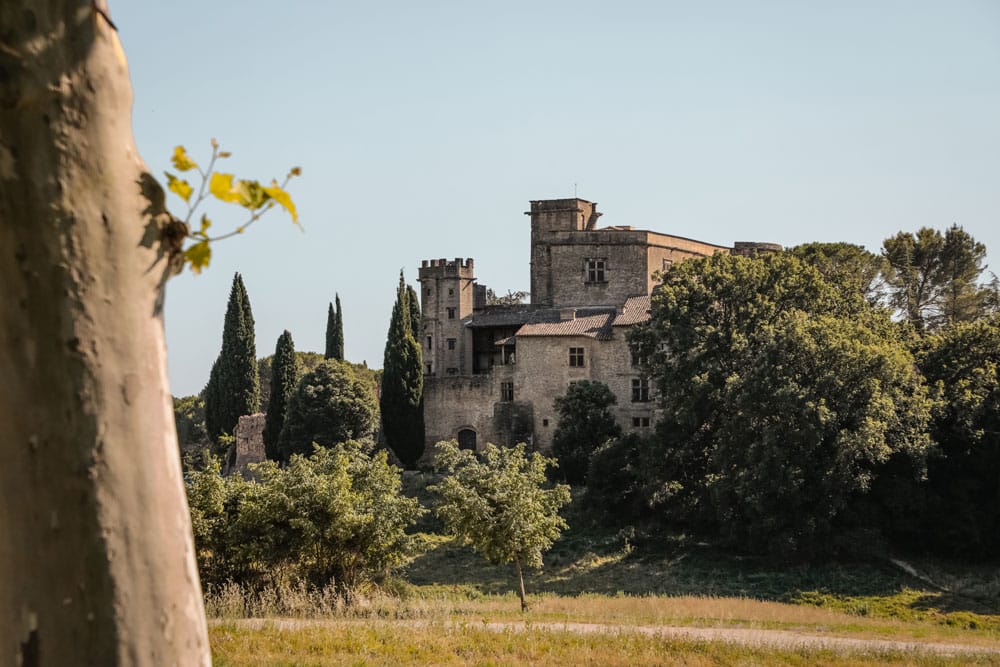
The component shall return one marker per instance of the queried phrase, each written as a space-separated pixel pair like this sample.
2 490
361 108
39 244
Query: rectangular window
430 346
451 313
451 343
576 356
452 371
429 372
640 390
596 270
640 422
507 391
451 291
667 263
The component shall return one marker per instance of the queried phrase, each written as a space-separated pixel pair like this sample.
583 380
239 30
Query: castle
491 372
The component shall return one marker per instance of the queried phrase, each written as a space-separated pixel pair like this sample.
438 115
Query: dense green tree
337 516
413 300
402 403
585 423
782 396
236 389
335 331
616 479
935 277
284 378
962 512
500 504
306 361
189 419
331 404
847 266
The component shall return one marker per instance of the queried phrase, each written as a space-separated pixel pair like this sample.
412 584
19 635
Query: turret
447 291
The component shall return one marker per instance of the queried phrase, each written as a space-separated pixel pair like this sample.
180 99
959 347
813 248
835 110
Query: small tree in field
499 504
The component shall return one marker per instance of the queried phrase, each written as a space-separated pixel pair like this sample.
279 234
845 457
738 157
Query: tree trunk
96 554
520 581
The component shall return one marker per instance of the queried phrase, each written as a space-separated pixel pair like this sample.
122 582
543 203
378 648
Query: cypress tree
414 303
211 396
284 375
402 404
335 332
236 390
331 333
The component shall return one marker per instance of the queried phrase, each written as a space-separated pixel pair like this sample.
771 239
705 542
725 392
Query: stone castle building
491 372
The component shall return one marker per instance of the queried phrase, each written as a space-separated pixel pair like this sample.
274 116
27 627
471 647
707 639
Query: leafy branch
257 199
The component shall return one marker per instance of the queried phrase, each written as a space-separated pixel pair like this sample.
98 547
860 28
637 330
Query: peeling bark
96 554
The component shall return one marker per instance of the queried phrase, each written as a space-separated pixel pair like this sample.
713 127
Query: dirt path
781 639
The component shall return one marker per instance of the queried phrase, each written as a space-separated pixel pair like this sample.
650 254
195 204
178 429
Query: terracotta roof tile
592 326
635 311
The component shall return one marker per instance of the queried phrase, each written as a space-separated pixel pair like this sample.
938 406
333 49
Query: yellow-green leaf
252 196
198 255
179 186
225 154
221 186
205 223
283 198
181 160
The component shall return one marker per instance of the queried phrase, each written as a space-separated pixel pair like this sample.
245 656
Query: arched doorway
467 439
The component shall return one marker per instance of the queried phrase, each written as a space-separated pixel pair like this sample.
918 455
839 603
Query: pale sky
423 130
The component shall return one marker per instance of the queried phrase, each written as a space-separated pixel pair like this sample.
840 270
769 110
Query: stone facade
249 441
492 372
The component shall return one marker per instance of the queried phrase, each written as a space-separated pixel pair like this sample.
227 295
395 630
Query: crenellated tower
447 295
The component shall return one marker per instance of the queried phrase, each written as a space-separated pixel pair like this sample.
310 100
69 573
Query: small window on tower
451 291
451 313
430 345
596 270
451 343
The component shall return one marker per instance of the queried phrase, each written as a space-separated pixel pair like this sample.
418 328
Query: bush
331 404
337 517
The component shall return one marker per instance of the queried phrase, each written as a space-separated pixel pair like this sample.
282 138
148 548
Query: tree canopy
284 377
402 402
234 384
782 396
585 423
500 504
330 405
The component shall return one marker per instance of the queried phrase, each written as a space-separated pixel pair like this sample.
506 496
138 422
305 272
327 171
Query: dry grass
378 642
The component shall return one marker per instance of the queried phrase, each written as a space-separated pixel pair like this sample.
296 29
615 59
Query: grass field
451 607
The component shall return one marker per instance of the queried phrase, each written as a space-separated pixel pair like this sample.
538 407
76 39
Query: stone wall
249 441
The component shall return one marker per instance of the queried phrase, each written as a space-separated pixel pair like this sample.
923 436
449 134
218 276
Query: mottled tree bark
96 555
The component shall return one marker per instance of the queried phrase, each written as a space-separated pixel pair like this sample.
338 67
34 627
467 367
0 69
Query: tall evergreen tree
284 375
415 315
402 403
338 333
331 333
236 390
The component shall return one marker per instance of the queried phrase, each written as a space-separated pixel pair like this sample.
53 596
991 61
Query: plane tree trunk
96 554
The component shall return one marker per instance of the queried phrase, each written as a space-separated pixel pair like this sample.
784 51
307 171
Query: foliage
234 384
335 332
962 512
783 397
499 504
257 199
331 404
284 378
585 423
335 516
189 419
511 298
402 402
306 362
847 266
616 478
934 277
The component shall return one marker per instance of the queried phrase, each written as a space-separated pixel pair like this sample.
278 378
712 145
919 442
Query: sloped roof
635 311
592 326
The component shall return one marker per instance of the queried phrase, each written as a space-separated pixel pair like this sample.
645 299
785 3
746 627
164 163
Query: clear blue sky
423 129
